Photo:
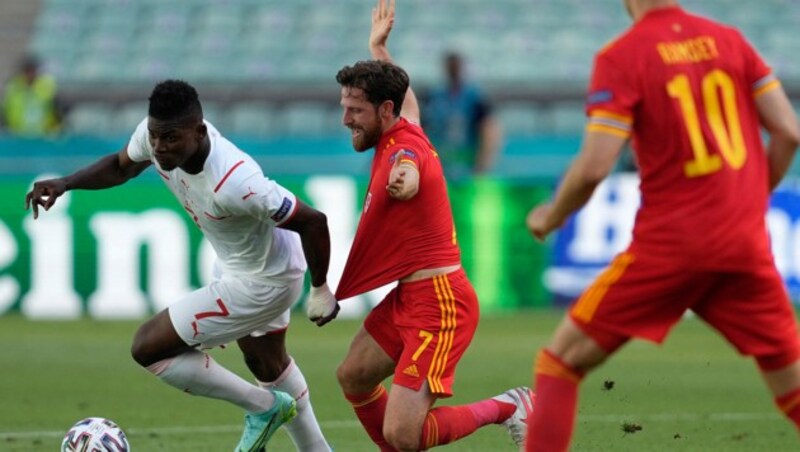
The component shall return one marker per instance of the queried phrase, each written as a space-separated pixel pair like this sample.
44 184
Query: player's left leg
267 359
158 348
784 383
754 313
219 313
436 322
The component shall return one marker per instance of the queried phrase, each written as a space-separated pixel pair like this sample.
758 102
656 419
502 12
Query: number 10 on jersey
722 115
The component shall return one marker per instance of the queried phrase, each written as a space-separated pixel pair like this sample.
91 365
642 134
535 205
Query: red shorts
641 295
425 326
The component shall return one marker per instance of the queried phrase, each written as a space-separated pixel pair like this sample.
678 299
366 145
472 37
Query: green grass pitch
693 394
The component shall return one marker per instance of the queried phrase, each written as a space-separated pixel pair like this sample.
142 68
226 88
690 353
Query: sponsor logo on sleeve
280 215
600 97
402 153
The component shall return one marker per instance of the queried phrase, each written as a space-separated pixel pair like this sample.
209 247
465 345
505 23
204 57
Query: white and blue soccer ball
95 434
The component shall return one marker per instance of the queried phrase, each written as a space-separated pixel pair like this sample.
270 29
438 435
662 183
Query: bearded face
362 118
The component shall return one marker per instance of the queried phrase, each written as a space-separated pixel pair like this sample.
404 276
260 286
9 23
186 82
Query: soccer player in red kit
692 94
420 330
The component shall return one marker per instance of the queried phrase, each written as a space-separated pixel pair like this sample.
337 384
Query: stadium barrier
131 250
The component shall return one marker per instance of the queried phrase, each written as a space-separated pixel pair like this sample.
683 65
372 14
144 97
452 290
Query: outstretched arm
110 171
598 155
382 23
312 226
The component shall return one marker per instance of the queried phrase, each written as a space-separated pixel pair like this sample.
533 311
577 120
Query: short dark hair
29 62
380 81
174 100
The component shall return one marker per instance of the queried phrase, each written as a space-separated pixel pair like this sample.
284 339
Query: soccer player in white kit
263 236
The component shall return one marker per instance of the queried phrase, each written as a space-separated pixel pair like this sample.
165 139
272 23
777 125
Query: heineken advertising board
130 251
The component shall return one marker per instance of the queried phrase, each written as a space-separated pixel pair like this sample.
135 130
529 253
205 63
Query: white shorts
231 308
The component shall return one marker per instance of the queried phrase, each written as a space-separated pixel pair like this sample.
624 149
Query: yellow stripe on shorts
446 333
587 304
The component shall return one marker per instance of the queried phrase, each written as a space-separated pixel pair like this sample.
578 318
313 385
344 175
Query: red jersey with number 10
396 238
684 87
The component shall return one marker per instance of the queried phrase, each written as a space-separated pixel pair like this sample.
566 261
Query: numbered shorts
425 326
640 295
231 308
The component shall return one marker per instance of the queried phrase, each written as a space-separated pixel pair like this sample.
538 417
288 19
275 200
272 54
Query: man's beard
367 139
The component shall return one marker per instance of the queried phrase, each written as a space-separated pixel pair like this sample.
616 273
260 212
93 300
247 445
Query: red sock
550 428
790 405
446 424
370 409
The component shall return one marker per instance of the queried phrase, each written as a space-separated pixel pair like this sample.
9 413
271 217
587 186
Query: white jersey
237 208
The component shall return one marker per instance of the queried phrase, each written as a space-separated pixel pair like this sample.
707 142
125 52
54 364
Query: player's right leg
558 371
360 376
274 369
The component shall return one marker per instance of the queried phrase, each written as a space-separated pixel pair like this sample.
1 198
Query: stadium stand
253 57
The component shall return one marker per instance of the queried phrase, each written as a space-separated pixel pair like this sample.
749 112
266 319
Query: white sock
198 374
304 429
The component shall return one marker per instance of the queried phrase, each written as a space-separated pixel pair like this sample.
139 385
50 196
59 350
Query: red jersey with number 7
396 238
684 88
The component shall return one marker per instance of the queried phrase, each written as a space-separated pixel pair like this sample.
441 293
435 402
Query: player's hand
403 180
382 22
44 194
321 305
538 221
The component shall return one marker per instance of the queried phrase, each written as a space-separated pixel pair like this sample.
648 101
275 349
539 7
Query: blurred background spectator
30 103
460 122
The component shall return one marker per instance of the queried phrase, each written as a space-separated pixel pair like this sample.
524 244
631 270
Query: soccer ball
95 434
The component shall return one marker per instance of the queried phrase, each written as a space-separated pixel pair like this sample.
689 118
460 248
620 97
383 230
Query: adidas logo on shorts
411 371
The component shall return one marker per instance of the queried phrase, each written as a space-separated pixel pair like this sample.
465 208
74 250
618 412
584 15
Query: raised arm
778 117
109 171
382 23
490 141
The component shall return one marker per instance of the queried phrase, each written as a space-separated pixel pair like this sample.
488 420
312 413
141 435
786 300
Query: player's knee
343 376
140 348
779 361
266 368
352 378
401 437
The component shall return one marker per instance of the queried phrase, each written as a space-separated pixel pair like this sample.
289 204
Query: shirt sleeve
759 74
406 155
612 98
139 149
256 195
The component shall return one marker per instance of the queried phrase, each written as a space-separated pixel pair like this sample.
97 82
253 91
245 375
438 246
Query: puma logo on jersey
411 371
244 198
